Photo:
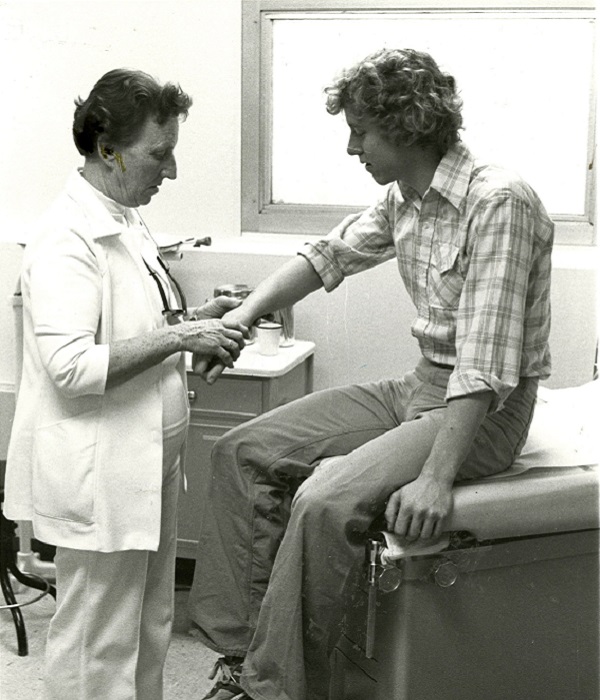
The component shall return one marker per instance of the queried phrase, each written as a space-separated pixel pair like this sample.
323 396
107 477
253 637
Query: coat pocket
64 468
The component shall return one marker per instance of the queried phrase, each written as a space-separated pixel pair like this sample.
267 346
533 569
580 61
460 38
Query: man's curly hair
119 105
405 92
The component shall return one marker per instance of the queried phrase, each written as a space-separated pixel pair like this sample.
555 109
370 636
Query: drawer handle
192 396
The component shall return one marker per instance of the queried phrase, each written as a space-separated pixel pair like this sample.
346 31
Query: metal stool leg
28 580
17 615
8 566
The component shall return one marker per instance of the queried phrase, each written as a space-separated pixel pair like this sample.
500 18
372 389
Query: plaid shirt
475 256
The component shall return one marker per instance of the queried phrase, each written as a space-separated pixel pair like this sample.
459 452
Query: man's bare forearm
286 286
420 507
453 442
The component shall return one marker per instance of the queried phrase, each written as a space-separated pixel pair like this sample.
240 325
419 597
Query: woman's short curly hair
119 105
406 93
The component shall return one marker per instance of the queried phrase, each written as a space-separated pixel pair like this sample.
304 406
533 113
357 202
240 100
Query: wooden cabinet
256 384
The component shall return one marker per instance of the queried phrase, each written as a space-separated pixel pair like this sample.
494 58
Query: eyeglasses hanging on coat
172 316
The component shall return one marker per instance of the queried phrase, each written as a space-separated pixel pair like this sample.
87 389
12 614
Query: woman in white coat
102 411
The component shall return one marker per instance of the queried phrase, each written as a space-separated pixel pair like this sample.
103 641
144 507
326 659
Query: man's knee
232 447
315 500
249 446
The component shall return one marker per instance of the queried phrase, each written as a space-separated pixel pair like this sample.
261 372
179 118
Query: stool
8 565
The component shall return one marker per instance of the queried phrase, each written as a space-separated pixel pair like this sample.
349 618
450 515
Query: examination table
505 605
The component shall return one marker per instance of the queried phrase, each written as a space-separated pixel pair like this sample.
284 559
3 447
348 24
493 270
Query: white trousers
109 636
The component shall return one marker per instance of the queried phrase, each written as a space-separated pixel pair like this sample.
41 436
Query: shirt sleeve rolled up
492 314
361 241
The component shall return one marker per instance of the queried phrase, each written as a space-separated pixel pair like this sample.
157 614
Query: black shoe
227 672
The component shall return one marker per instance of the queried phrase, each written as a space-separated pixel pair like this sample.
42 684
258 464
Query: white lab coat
85 463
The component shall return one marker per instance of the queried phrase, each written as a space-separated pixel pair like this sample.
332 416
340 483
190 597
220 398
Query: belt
439 365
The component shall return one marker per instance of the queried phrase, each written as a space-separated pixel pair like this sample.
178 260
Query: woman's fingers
213 345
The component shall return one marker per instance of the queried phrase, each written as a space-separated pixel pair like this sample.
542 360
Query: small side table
256 384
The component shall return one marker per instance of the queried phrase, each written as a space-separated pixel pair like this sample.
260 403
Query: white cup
286 318
267 337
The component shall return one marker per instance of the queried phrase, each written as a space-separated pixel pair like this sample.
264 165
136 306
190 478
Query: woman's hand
210 368
419 509
212 339
214 308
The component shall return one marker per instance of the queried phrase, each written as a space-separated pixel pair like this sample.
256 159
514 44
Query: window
525 75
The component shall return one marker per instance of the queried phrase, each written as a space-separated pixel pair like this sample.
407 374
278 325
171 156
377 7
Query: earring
119 159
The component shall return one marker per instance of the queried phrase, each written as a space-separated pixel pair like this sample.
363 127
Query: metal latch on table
386 555
384 573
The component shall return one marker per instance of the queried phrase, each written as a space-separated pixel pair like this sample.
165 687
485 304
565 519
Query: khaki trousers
109 637
279 544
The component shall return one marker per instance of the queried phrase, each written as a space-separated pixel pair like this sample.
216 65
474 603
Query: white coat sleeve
65 294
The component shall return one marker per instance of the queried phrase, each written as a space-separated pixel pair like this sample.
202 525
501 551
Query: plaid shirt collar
451 178
453 174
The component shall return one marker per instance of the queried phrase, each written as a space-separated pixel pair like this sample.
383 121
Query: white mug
267 337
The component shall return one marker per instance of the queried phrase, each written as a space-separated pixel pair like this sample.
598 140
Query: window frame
259 214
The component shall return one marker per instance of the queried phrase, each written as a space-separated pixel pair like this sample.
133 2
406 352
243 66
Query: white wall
362 329
54 51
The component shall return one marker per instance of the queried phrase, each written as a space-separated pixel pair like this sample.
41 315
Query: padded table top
538 501
553 486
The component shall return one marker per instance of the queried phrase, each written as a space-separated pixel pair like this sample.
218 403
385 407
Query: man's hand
208 368
419 509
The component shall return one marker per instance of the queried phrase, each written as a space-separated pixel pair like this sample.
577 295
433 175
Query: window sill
250 243
580 257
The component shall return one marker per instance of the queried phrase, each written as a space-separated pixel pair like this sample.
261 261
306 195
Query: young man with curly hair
281 539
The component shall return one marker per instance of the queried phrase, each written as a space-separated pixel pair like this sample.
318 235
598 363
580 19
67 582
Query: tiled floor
21 677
